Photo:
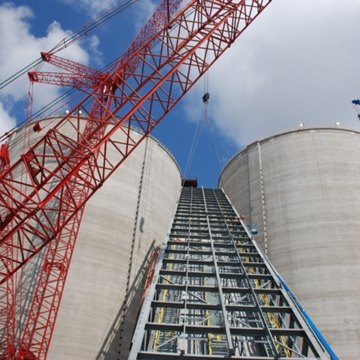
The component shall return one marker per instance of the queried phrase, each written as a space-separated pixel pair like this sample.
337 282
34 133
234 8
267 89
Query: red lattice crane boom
70 163
77 75
42 312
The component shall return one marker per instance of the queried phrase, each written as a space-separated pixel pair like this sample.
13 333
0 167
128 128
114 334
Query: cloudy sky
297 63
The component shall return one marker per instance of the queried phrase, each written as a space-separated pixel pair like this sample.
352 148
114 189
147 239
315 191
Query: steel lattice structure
35 209
215 295
69 163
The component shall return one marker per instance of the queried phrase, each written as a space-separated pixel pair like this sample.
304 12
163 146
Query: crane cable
204 120
64 43
194 145
61 45
104 16
205 99
212 138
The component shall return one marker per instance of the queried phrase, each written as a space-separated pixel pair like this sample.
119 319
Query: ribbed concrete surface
90 323
311 194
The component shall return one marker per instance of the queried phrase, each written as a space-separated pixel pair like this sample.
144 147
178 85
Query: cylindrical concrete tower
302 190
123 223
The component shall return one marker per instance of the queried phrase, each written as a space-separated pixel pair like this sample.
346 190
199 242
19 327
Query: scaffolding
215 295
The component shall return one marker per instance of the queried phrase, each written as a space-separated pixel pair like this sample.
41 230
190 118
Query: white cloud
144 10
92 6
97 55
298 62
6 121
20 47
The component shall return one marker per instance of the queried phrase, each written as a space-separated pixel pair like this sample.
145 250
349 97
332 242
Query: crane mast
65 168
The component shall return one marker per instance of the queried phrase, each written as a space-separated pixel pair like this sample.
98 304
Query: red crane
69 163
4 157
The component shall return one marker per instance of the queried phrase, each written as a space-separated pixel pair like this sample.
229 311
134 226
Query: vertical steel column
272 344
218 280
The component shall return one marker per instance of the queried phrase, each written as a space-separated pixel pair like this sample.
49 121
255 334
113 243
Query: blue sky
298 62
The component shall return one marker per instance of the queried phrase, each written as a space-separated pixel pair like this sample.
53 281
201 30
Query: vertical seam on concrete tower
250 207
132 246
263 201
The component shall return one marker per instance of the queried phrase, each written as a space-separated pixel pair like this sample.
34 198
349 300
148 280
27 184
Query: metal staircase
215 295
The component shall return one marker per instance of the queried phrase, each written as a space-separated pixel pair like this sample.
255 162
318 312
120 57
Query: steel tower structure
215 295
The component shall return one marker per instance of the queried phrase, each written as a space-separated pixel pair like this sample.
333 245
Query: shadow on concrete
118 340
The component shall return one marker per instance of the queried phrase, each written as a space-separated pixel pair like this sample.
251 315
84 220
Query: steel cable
64 43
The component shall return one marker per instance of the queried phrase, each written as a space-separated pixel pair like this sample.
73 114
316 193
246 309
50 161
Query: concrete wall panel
96 317
312 197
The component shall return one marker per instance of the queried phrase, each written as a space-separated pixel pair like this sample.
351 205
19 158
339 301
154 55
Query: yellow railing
210 336
274 320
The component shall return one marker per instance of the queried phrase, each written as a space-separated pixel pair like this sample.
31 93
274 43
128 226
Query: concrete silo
122 224
302 191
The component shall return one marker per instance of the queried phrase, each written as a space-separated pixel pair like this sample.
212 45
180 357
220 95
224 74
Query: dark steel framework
215 295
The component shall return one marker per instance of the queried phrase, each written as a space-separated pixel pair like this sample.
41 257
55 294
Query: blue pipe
316 331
